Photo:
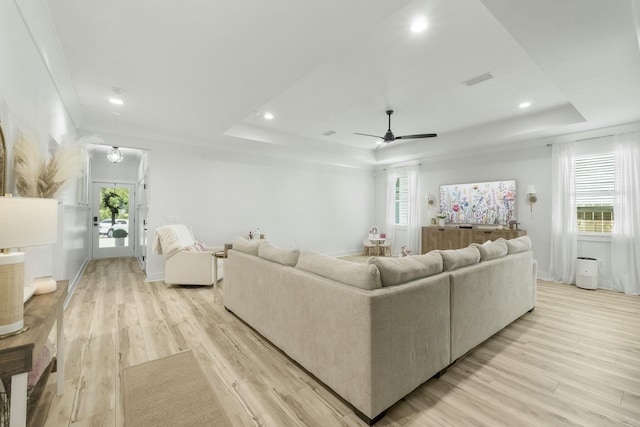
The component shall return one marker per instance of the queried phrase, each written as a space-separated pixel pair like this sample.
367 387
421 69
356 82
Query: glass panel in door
113 220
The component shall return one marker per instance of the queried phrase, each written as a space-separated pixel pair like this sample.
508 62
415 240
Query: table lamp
24 222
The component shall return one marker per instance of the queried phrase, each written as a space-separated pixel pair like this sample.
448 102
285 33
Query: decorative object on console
44 285
441 219
23 222
479 203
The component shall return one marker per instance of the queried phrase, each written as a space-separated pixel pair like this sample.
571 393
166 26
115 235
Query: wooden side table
18 353
219 255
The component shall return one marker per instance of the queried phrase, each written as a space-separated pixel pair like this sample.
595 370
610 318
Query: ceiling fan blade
418 136
366 134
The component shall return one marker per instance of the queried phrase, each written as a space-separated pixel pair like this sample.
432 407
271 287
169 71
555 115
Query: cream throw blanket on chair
170 239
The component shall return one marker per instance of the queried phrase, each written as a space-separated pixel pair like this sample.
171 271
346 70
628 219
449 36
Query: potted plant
441 218
119 234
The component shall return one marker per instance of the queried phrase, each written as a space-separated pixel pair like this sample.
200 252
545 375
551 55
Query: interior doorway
113 215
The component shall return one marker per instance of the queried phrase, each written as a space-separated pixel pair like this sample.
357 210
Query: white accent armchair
186 262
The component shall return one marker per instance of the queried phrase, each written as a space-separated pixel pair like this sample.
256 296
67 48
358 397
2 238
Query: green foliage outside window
114 204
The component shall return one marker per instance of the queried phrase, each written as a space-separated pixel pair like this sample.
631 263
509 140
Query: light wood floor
574 361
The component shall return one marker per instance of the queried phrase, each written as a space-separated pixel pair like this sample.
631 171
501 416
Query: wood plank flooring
575 360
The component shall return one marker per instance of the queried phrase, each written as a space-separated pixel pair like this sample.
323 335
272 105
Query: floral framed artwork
479 203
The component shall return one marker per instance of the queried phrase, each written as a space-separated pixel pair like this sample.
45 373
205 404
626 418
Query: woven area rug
171 391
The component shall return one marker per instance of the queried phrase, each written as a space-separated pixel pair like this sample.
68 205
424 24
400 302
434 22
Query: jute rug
171 391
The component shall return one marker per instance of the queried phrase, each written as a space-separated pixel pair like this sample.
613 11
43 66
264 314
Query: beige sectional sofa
374 332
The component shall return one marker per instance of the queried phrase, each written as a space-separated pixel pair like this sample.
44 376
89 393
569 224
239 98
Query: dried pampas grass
62 166
27 165
45 179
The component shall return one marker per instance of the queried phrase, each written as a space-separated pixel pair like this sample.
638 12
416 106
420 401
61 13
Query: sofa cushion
364 276
394 271
458 258
519 244
280 255
491 250
247 246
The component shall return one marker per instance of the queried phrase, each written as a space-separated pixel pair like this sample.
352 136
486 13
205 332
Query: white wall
527 166
222 195
104 171
30 104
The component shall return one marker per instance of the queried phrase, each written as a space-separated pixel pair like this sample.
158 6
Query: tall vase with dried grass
36 177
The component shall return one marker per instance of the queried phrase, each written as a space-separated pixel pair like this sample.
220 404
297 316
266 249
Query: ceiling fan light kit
389 137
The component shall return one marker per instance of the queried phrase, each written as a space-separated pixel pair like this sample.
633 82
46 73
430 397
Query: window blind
402 200
595 177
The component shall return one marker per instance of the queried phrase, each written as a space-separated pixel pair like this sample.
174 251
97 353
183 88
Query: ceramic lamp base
11 292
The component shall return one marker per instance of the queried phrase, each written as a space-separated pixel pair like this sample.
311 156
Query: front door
113 220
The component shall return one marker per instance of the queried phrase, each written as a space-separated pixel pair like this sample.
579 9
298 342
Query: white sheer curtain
625 239
564 223
392 176
413 219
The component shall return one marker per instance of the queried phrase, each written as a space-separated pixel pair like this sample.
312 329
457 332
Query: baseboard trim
74 283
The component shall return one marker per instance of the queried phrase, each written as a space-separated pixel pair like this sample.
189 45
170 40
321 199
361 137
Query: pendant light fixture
114 155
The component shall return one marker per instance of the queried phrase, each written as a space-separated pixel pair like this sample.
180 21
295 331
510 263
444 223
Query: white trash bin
587 273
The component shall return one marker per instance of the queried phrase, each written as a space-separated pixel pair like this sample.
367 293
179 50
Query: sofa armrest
189 268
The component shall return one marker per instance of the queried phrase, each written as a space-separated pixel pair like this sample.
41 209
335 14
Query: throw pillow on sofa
519 244
280 255
394 271
458 258
491 250
362 276
247 246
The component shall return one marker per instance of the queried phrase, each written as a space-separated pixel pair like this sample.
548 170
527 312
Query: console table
18 353
443 238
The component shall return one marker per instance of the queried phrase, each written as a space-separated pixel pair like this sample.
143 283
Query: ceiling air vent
479 79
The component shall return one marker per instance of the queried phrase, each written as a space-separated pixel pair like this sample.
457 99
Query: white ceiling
203 72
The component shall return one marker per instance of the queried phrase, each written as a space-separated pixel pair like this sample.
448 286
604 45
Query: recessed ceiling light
419 25
268 116
115 113
116 101
525 104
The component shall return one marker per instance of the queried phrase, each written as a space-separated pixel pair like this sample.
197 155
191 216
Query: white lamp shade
531 189
26 221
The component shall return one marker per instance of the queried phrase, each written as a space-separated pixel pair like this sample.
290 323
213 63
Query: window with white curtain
402 200
594 180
